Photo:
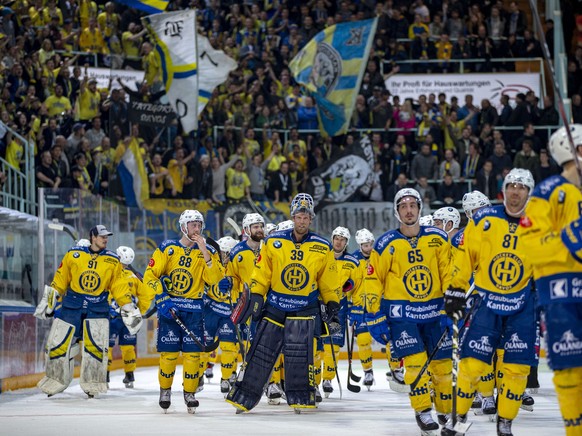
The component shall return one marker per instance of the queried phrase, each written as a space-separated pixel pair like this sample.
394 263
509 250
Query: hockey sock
441 374
228 359
128 355
365 350
109 357
469 376
168 363
511 390
568 383
419 397
192 373
486 384
328 361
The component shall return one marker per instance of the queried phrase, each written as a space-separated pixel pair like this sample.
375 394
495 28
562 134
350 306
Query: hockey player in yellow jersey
119 333
83 282
350 276
552 225
494 256
413 266
447 219
178 272
295 270
363 300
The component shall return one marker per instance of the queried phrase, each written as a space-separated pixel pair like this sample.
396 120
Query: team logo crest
181 281
505 271
295 277
525 222
89 281
327 69
418 282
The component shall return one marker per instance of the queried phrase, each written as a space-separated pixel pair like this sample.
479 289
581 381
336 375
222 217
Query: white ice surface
128 412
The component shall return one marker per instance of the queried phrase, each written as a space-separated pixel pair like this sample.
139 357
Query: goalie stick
547 58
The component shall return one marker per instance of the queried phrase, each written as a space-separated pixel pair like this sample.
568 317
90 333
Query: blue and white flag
149 6
331 67
132 174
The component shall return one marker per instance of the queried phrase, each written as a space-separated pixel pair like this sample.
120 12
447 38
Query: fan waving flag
174 34
149 6
331 66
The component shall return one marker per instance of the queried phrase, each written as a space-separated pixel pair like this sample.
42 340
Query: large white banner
104 76
490 86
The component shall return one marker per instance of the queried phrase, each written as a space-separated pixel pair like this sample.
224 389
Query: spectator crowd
258 136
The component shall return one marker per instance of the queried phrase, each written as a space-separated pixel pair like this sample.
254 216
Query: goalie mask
303 203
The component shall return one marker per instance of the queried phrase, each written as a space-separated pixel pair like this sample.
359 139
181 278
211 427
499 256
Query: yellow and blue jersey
188 271
369 294
293 275
496 258
414 273
349 268
93 275
240 267
554 204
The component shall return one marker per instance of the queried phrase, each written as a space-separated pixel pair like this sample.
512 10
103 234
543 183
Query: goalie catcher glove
455 303
572 238
378 327
248 305
131 317
46 306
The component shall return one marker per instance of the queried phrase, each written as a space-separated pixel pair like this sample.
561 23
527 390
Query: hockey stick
326 322
55 225
339 383
235 226
547 57
351 375
203 348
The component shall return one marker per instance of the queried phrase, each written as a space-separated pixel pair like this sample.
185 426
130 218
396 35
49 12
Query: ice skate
200 387
527 402
327 388
274 393
368 379
224 386
477 401
460 428
209 372
427 425
165 399
504 427
397 382
128 379
318 397
191 402
489 408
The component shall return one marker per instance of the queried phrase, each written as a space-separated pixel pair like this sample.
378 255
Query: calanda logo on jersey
405 340
294 277
515 343
481 346
567 345
418 281
170 338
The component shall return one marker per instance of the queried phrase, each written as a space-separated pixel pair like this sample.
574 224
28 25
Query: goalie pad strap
265 349
298 352
95 347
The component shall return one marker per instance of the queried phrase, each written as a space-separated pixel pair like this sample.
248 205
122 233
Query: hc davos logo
481 346
505 271
558 289
418 281
89 281
568 345
294 277
405 340
181 281
515 343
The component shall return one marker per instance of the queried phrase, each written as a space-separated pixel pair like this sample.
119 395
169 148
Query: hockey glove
572 238
131 317
46 306
356 315
378 327
348 286
455 303
225 286
248 305
165 304
114 310
446 322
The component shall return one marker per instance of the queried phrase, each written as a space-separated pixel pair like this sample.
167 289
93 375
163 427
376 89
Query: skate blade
239 411
429 432
191 410
462 427
297 411
492 418
129 385
533 391
326 394
528 408
274 401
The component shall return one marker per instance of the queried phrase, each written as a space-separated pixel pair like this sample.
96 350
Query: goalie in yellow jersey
295 270
83 282
552 233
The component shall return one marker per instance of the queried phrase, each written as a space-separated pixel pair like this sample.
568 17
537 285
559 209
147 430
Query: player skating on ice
493 255
178 271
295 270
413 266
82 283
552 234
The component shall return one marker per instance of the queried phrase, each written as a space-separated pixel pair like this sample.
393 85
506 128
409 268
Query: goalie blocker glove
248 305
455 303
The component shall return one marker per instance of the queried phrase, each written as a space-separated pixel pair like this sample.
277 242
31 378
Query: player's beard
258 236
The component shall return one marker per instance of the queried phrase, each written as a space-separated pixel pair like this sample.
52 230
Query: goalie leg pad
60 353
298 352
265 349
94 364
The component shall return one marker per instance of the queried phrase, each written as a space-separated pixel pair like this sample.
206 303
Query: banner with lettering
150 114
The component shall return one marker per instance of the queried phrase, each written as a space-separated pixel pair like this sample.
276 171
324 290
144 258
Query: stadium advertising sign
480 86
107 78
